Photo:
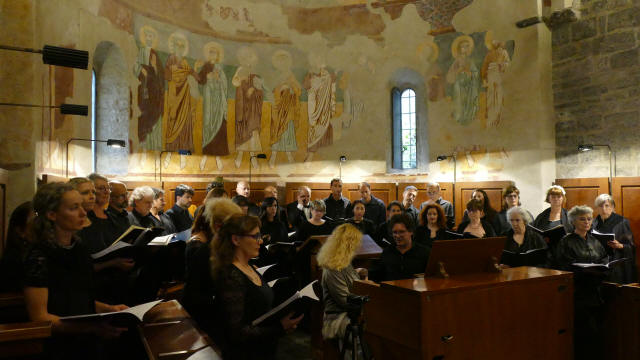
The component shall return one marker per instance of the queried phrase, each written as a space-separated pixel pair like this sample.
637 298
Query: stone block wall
596 87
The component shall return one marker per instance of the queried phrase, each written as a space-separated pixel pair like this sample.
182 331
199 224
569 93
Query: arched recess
402 79
112 108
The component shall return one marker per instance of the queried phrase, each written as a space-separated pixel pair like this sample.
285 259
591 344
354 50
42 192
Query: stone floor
295 346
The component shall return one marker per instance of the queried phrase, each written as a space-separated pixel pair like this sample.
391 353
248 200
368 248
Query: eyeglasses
257 237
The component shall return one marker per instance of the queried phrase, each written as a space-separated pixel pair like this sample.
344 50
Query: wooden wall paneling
583 191
386 192
464 191
318 190
199 189
445 191
48 178
256 195
626 194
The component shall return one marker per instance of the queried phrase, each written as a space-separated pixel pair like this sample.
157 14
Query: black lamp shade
70 109
184 152
441 157
116 143
585 147
59 56
261 156
343 158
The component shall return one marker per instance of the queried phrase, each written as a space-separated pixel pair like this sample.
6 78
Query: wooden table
169 333
622 321
520 313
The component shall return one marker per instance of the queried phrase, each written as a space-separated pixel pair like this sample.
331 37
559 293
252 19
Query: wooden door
583 191
626 194
256 194
464 192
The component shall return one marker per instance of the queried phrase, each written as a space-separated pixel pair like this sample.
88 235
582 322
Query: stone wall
596 86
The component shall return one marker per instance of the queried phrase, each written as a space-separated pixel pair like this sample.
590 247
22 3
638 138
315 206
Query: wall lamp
258 156
58 56
342 159
155 168
589 147
65 109
115 143
455 163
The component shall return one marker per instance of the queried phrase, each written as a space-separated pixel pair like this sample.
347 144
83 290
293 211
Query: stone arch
112 108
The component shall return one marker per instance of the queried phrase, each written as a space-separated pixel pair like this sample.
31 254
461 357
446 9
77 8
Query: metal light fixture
58 56
342 159
185 152
259 156
589 147
65 109
110 142
455 163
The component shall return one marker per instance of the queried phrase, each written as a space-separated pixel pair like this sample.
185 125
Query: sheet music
306 291
205 354
112 248
263 269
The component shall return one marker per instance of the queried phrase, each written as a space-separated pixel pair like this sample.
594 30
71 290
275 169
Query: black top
308 229
240 302
393 265
488 229
337 209
422 236
180 218
447 207
542 221
295 216
99 235
11 263
500 223
147 221
413 213
575 249
165 223
383 232
119 220
198 286
365 226
66 272
532 240
275 229
618 225
374 210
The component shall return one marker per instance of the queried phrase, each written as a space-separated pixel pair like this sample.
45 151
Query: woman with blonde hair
338 276
556 214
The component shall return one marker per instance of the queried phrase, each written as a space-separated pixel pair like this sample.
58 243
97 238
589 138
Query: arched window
405 148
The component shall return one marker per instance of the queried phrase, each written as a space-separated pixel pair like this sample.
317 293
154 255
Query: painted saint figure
249 96
212 83
286 109
149 71
180 111
321 108
495 64
465 77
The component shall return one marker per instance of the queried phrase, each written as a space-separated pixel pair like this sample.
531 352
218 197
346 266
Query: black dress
307 229
587 296
423 237
532 241
240 301
488 229
67 273
618 225
198 285
365 226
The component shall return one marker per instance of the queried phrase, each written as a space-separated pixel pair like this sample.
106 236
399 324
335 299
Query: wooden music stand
465 256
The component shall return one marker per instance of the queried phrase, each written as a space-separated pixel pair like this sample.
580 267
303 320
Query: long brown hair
47 198
222 248
442 220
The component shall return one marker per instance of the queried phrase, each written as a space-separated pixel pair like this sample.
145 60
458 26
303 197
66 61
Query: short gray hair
139 193
433 184
524 214
318 205
304 187
602 198
96 176
578 210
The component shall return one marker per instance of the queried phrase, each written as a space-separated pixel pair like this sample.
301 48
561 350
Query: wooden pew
23 340
168 332
521 313
621 326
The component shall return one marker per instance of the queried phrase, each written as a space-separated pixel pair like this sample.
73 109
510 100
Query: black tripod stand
353 337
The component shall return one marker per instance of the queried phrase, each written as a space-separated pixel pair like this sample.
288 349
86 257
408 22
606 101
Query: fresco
230 108
469 76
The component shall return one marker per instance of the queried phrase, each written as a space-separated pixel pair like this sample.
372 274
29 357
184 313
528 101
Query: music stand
465 256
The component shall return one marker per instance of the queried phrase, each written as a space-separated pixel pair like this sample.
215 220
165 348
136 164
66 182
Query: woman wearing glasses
510 199
242 293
